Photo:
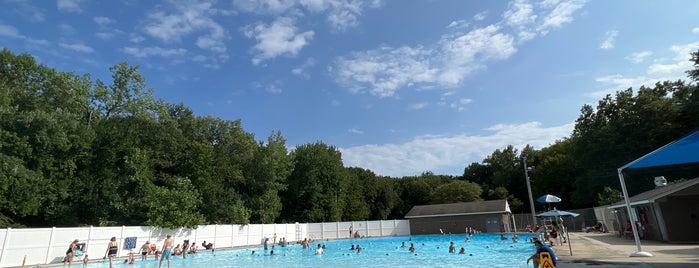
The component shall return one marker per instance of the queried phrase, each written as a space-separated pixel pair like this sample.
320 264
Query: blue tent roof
682 151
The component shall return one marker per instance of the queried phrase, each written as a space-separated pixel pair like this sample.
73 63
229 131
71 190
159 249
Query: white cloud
355 131
154 51
69 5
102 21
453 153
10 31
663 70
695 30
264 6
520 13
610 39
279 38
680 62
480 16
77 47
459 104
104 36
458 24
418 106
340 14
386 70
188 18
561 14
638 57
66 29
302 70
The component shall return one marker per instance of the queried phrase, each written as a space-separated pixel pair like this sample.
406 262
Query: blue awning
682 151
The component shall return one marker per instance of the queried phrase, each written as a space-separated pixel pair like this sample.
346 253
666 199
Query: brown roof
680 188
461 208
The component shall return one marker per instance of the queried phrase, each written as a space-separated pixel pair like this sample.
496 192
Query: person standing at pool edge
167 251
111 252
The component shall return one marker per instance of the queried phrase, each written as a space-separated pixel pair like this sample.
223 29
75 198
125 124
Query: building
667 213
491 216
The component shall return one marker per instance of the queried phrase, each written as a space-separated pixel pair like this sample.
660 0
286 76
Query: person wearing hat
540 247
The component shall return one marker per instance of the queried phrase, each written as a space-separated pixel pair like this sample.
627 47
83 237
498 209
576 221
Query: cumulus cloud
154 51
102 21
10 31
69 5
679 63
661 70
355 131
384 71
695 30
449 154
188 18
281 37
562 13
610 39
341 15
418 106
302 70
638 57
480 16
77 47
530 20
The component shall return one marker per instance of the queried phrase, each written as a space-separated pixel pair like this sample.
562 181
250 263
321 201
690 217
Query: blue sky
400 87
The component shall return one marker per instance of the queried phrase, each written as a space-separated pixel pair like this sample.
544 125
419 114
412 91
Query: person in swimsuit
167 251
144 250
70 253
111 251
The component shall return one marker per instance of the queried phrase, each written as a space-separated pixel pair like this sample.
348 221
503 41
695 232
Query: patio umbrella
556 213
548 198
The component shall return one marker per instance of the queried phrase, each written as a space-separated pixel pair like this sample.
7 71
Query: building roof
680 188
459 209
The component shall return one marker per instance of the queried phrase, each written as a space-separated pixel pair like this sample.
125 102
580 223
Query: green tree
456 191
315 192
608 196
265 177
175 205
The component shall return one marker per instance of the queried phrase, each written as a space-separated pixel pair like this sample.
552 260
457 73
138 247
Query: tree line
76 151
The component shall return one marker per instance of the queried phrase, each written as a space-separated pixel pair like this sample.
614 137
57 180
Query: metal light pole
529 190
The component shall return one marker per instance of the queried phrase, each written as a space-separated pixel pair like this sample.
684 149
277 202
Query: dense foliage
74 151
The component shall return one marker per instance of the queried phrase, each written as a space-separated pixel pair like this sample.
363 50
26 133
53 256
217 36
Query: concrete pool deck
609 250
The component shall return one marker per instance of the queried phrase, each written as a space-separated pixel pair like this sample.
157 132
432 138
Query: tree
265 177
175 205
315 190
456 191
608 196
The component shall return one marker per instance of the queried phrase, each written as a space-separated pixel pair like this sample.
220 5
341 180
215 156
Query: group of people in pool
166 251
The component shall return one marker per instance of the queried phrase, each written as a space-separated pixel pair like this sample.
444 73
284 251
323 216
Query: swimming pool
483 250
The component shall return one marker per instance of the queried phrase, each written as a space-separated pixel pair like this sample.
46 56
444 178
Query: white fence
39 246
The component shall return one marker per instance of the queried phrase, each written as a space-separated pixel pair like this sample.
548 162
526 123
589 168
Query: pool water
483 250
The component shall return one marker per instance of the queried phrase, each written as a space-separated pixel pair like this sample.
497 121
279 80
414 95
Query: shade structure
556 213
548 199
680 152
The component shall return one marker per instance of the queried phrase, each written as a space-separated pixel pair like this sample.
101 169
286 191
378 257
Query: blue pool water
483 250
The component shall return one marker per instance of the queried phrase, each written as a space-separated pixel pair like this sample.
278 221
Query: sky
400 87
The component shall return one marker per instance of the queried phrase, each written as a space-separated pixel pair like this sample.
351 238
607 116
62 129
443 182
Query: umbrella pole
570 248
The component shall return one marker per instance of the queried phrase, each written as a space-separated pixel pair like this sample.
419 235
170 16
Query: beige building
491 216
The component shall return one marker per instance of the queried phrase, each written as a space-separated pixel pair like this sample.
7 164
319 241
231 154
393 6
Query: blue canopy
682 151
